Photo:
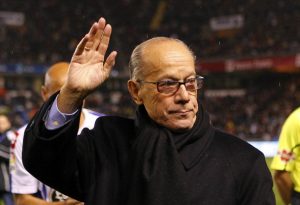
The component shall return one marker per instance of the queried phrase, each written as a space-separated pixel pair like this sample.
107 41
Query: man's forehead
169 44
166 54
157 52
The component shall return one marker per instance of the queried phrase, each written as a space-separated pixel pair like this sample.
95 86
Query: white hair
135 63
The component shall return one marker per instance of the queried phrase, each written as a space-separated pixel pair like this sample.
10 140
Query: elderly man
170 153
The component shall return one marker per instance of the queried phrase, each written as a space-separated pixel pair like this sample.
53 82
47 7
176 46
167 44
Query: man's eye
167 83
190 81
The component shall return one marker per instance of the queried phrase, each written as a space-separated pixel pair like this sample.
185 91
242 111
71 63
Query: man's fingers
110 61
80 47
92 33
102 23
93 29
105 40
97 36
98 39
84 44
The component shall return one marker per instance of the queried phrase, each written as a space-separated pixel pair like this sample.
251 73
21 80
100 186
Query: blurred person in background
25 187
170 154
5 193
286 162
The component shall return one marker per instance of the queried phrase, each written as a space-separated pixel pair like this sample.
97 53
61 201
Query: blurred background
248 51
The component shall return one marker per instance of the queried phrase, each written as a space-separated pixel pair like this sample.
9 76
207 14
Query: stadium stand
268 27
255 114
52 28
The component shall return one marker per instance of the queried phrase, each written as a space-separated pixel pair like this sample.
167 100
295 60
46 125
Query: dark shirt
97 166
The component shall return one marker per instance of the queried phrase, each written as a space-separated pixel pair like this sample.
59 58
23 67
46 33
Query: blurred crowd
53 28
252 110
256 114
260 113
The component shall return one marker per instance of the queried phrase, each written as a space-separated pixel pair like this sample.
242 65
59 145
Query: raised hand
88 68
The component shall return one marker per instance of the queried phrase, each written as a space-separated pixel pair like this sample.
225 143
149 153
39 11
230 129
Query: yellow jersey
287 157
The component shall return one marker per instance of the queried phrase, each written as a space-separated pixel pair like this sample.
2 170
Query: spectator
5 193
24 185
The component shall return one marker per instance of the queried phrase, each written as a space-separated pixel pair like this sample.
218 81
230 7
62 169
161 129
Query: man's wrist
68 102
55 118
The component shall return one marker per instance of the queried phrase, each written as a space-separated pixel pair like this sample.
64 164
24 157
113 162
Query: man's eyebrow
171 77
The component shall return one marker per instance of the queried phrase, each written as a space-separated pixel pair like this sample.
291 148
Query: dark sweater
95 167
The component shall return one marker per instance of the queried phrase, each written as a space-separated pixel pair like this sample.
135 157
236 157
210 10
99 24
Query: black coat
4 163
95 167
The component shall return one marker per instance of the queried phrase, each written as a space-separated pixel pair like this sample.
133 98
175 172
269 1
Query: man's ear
44 93
133 89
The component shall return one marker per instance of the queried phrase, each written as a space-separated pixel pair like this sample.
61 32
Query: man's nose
182 94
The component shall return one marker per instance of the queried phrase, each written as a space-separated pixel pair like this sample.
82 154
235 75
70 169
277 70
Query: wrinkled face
169 61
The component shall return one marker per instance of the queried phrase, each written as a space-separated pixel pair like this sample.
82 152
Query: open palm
89 68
